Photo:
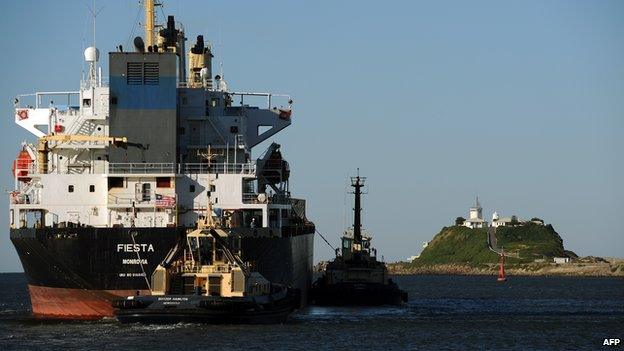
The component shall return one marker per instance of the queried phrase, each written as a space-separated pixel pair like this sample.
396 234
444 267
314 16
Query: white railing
252 198
21 198
221 168
121 200
141 168
269 97
38 96
144 198
22 171
86 83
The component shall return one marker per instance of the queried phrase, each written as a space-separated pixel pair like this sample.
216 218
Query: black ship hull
75 273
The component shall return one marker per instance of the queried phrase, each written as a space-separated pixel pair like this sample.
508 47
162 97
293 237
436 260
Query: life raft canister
22 114
22 164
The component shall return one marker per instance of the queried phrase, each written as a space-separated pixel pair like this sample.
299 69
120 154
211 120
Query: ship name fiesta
135 248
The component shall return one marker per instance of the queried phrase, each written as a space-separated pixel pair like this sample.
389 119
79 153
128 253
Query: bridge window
91 188
192 188
70 188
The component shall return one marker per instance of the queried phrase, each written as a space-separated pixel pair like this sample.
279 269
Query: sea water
443 313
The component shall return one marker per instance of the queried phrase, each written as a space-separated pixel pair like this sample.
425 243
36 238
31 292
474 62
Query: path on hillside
491 240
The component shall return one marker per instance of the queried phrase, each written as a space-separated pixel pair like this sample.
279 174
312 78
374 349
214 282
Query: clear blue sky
521 103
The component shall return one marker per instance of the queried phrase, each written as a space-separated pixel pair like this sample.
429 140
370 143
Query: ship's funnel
200 64
168 35
198 48
139 45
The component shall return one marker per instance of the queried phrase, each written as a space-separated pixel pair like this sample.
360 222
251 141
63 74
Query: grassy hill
462 245
531 241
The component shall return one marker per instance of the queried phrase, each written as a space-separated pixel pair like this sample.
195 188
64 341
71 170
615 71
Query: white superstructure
67 178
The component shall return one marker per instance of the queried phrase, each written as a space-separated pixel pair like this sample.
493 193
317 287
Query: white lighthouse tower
475 216
476 212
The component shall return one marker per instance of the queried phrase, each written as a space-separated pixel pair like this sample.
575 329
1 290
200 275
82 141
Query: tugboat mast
357 182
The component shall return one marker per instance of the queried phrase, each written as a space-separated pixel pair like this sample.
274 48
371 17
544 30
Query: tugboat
204 280
355 276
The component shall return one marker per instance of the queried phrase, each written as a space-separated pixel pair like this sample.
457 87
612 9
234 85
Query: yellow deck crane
43 148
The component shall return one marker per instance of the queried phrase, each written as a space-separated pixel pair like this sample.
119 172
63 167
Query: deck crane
43 147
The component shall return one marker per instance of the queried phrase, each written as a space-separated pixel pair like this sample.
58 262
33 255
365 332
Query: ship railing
25 169
45 99
144 198
23 198
255 198
141 168
86 83
268 96
281 199
221 168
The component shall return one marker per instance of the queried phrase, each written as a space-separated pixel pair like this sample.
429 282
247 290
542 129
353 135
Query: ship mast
357 182
150 19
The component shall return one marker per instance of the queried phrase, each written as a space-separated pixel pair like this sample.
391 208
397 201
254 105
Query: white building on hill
498 221
475 217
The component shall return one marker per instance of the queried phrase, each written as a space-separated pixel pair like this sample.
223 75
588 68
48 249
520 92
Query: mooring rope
132 234
322 237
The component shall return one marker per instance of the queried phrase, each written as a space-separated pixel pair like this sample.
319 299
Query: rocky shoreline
609 267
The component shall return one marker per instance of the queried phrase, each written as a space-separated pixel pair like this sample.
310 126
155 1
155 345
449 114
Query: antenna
220 53
92 57
94 14
344 203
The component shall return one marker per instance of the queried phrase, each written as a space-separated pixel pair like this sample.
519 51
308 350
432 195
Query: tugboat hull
171 309
357 294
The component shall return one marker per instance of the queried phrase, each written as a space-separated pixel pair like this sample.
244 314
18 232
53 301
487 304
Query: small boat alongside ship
355 276
204 280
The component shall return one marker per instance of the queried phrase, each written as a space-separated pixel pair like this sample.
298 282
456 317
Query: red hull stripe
61 303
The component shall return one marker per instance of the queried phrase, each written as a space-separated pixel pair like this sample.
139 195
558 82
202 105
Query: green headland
530 248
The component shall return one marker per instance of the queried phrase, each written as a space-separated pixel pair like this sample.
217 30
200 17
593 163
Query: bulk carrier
121 170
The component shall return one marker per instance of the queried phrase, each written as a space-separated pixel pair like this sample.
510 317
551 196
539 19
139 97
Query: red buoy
501 269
